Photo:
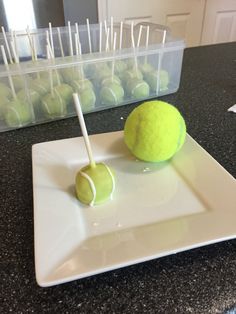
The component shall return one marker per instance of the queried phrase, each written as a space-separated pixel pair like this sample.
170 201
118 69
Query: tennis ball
94 185
18 82
4 101
79 85
71 74
40 85
120 67
22 95
131 74
102 73
146 67
137 88
154 131
112 94
65 91
151 79
111 79
87 98
54 105
18 113
55 76
5 91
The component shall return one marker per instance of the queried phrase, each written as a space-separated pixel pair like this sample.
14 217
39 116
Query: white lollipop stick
7 67
100 37
15 43
113 61
51 37
14 52
49 48
133 45
80 49
107 39
89 36
7 45
77 31
60 41
70 39
159 61
12 40
121 35
50 55
84 130
34 49
78 41
30 43
112 35
139 35
105 26
80 52
50 71
76 45
147 41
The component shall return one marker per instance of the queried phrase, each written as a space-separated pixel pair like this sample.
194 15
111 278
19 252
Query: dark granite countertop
200 281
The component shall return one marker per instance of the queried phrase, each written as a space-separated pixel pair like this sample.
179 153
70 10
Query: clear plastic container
40 90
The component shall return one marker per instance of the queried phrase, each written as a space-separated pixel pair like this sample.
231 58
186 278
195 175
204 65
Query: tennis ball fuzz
154 131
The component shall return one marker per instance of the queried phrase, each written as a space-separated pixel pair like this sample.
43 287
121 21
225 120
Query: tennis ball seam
137 86
92 186
112 93
180 133
17 115
61 101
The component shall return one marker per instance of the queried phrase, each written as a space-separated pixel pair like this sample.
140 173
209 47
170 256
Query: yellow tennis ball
154 131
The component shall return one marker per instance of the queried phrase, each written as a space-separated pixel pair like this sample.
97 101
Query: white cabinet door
219 22
184 17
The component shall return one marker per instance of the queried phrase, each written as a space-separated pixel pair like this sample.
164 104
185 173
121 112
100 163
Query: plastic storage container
105 75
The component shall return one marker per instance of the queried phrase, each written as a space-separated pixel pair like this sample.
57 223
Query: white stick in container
105 27
112 31
7 45
139 35
133 46
113 60
15 43
50 55
147 41
107 40
9 76
100 37
89 36
16 58
50 70
70 39
30 43
79 53
160 61
121 35
60 41
49 48
51 38
77 31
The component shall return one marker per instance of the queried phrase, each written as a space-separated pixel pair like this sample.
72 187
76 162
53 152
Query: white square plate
157 209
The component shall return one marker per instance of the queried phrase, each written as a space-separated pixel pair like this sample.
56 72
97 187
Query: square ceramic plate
157 209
